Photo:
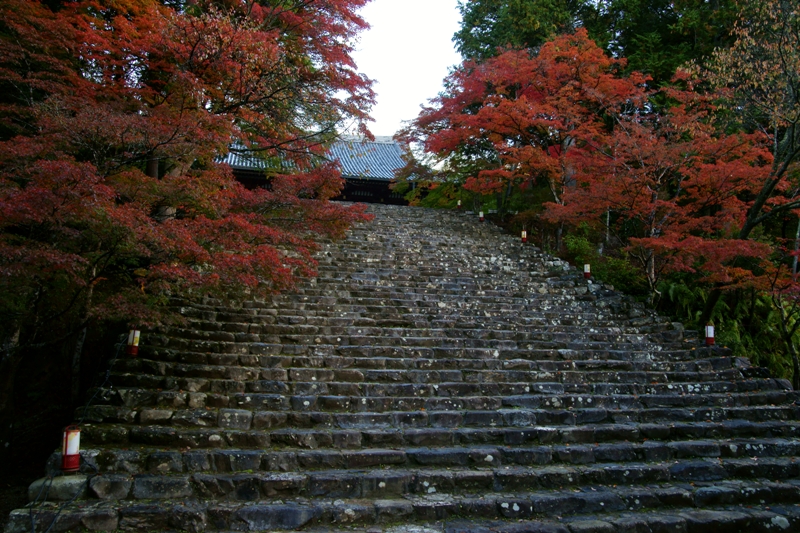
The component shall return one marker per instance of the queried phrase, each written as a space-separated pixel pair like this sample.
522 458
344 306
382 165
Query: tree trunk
788 336
78 351
75 388
796 248
10 360
711 303
151 169
559 237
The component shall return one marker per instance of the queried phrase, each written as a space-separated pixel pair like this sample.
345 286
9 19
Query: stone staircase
437 377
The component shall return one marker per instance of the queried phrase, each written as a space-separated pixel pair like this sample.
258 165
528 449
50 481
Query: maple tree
672 190
760 74
111 117
519 118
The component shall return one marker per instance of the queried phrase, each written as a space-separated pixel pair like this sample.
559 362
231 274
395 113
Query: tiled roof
242 161
375 160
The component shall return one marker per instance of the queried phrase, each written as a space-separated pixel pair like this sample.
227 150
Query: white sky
407 51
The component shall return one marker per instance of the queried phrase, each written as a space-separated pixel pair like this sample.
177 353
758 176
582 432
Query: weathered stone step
348 327
324 338
666 453
523 386
413 314
455 483
555 352
419 296
259 410
214 437
156 361
534 306
675 510
359 357
291 370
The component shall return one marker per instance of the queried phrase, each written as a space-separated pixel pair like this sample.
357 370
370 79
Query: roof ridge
383 139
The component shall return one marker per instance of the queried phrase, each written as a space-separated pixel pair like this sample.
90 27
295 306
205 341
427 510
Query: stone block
591 526
155 416
235 418
143 517
164 462
190 518
468 481
59 488
279 462
540 455
147 487
372 458
196 461
268 420
334 485
111 486
697 471
702 521
194 417
101 520
381 484
440 456
283 485
393 510
269 517
346 440
348 513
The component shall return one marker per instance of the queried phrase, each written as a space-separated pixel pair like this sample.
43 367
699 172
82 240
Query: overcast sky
407 50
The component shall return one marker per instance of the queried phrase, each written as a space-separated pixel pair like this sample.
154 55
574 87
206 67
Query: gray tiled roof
375 160
242 161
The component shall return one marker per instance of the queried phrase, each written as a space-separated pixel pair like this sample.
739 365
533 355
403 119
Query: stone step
430 347
535 305
358 357
372 384
125 434
470 370
406 370
329 356
585 510
665 453
414 317
456 483
255 410
347 327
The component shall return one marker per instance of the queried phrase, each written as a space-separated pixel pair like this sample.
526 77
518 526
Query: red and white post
524 236
480 216
709 334
132 348
459 204
71 449
587 271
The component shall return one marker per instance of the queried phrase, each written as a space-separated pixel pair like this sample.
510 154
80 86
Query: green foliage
617 271
432 194
656 36
745 321
488 25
